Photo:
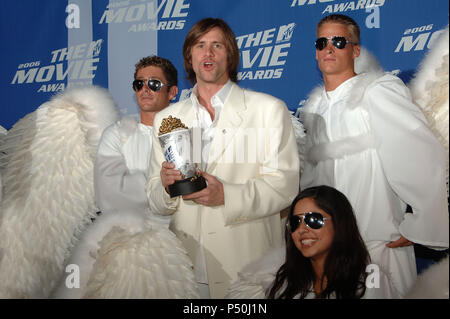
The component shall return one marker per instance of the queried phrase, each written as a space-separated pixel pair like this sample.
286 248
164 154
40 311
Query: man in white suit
249 160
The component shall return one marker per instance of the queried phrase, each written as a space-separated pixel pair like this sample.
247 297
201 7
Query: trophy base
186 186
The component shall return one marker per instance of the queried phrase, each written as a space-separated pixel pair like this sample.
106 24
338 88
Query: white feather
430 89
300 138
367 62
433 283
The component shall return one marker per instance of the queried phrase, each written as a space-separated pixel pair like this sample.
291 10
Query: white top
121 167
378 286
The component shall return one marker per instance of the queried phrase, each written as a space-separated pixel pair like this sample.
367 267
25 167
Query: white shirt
207 126
204 120
121 168
378 287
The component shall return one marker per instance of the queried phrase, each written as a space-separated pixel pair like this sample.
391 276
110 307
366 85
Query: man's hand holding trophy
176 143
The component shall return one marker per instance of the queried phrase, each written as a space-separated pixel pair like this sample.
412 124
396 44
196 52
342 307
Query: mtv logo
95 47
285 32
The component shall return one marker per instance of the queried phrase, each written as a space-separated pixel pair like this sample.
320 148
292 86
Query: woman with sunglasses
325 254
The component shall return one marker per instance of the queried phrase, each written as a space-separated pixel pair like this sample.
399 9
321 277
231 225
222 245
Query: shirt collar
343 89
220 96
223 93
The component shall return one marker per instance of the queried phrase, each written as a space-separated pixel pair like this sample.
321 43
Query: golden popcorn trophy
175 140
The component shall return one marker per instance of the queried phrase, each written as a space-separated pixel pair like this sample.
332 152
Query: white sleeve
413 160
116 187
159 200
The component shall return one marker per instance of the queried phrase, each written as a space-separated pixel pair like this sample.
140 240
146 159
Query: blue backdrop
49 45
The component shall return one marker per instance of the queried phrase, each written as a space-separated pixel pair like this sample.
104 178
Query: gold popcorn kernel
170 124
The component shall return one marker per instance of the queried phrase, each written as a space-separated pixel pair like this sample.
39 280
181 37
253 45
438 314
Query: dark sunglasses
338 42
154 85
313 220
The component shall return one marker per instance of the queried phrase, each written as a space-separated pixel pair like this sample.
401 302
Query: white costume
134 253
371 142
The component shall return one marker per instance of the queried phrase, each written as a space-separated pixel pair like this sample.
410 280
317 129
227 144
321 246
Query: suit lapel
188 115
229 122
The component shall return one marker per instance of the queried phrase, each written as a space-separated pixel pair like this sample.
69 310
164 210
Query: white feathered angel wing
48 195
147 264
430 89
125 255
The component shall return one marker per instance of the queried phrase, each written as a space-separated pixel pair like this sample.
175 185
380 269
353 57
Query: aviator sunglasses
313 220
154 85
338 42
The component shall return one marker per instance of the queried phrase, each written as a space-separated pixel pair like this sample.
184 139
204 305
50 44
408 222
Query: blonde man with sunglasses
367 138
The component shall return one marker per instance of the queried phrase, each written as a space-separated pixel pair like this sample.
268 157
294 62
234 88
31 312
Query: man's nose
330 46
145 87
209 50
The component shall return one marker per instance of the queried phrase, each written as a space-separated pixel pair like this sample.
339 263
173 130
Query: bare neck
332 81
318 267
147 118
205 93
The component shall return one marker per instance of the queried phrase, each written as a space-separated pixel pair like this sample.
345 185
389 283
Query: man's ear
173 91
356 51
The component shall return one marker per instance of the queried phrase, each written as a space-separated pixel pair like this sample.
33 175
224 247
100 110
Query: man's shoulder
112 129
121 129
387 83
264 100
173 109
259 95
386 79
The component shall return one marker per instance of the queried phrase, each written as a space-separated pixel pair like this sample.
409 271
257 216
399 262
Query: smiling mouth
308 242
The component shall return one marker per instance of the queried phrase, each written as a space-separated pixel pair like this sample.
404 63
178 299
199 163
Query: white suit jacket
255 190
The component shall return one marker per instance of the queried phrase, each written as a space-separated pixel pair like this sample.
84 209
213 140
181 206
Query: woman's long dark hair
345 265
